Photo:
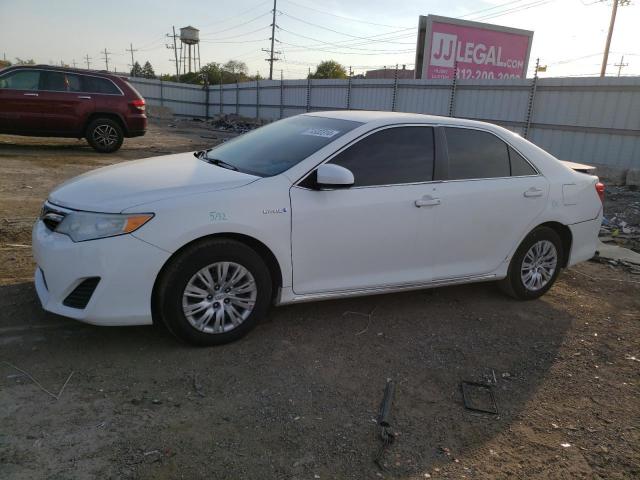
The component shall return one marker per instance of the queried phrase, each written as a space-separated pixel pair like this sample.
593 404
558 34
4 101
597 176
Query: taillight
138 105
600 188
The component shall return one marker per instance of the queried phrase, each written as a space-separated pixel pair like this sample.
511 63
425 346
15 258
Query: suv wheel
214 292
535 266
105 135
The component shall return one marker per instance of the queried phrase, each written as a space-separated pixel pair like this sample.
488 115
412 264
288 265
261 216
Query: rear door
65 105
366 236
490 199
20 108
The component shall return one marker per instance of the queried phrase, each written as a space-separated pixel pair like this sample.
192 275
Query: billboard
475 50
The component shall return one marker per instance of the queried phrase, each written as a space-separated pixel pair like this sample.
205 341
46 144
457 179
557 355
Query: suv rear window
99 85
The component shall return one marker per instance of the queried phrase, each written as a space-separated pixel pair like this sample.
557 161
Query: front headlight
81 226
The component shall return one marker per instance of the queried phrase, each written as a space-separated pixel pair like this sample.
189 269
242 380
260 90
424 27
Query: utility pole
620 65
614 11
87 58
175 52
130 49
271 51
106 58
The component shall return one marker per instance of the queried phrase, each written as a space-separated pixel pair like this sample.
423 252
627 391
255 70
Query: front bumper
127 268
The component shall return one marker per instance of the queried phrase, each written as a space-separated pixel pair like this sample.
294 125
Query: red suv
46 101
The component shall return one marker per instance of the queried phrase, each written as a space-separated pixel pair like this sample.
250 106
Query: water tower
190 37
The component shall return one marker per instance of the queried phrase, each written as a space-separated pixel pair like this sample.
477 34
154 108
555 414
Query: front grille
51 216
81 295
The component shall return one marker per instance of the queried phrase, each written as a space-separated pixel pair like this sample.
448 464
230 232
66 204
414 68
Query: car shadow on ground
297 396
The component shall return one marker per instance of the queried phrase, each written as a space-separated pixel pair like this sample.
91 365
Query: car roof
390 118
84 71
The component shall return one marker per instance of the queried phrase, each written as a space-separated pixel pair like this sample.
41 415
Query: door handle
533 192
427 201
30 94
84 96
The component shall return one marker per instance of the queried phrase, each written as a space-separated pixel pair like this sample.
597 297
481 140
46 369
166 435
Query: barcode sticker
321 132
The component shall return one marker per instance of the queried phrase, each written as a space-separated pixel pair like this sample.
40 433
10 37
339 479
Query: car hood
125 185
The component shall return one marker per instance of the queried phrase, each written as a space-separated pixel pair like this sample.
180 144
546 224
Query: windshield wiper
220 163
202 154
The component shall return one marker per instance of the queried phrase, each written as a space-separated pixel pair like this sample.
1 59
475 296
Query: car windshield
276 147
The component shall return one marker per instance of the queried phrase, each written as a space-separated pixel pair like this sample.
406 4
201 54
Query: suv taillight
138 105
600 188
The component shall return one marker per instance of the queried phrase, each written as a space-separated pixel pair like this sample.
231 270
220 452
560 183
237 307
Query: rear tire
198 300
105 135
535 266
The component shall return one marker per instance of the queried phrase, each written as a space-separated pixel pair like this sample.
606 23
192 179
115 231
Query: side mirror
333 176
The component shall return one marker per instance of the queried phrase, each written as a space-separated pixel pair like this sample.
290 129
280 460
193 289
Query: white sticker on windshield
321 132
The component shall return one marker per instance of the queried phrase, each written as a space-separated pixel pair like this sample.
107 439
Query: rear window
99 85
476 154
276 147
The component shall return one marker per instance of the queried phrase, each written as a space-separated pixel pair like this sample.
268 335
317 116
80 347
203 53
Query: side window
519 166
476 154
73 83
391 156
53 81
99 85
21 80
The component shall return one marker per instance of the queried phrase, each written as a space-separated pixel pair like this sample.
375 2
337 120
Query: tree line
214 73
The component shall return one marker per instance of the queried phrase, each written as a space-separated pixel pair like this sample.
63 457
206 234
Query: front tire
535 266
214 292
105 135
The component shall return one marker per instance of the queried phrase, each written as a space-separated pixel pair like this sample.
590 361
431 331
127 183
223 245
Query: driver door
366 236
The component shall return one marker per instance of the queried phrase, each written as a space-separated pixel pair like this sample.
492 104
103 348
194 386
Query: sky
569 35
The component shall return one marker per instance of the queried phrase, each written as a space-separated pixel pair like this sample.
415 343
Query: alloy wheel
219 297
105 135
539 265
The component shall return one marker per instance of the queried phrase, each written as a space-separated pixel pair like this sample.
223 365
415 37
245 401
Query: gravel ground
297 398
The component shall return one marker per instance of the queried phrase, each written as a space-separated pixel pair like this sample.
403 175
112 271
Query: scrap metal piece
386 434
471 389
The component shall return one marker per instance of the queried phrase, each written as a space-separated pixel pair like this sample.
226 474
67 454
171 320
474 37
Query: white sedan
316 206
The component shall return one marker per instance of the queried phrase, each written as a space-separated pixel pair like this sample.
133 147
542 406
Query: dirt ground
298 397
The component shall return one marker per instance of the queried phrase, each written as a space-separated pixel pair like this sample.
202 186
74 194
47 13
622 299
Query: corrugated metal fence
590 120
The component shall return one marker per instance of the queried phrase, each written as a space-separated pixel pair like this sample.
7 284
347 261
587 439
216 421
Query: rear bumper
584 240
136 125
127 268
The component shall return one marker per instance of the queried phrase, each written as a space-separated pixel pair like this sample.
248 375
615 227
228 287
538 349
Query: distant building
390 73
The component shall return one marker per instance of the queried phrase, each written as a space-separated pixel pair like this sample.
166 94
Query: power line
612 22
621 65
336 31
249 10
271 58
491 8
239 34
346 18
239 25
341 44
130 49
344 53
106 59
335 44
517 9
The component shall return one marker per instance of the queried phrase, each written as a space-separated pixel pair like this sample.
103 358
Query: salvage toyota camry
316 206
